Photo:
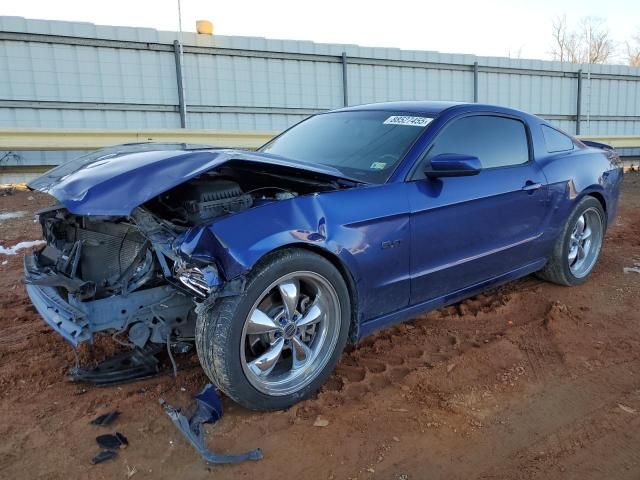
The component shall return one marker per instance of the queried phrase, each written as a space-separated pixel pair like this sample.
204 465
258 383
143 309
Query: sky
513 28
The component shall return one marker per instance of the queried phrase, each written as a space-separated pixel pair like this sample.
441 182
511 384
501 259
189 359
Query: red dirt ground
528 381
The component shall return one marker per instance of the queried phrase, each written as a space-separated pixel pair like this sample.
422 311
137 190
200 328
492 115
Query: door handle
531 186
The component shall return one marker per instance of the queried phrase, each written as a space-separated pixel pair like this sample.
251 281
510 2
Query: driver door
468 230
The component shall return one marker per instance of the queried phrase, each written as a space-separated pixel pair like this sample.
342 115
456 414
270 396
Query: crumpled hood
115 181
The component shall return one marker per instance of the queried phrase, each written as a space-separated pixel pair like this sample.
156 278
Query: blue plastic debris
209 410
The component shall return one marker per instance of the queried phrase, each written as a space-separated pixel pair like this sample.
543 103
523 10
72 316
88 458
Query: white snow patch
13 250
10 215
634 269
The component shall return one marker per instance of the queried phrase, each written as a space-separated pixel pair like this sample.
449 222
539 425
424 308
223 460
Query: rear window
556 141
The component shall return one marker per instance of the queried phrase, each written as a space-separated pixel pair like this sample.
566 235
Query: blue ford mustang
350 221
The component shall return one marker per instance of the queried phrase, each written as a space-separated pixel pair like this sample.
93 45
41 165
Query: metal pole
589 85
179 52
345 86
475 82
177 47
589 98
579 102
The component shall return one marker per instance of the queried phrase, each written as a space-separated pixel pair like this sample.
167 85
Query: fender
373 247
237 248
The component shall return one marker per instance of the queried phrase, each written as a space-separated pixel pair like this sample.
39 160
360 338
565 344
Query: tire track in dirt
386 358
612 456
559 406
603 439
543 360
432 341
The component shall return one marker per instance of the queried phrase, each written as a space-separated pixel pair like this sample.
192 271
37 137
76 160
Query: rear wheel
577 249
277 342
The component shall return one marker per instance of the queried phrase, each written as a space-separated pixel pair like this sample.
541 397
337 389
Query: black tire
557 269
219 330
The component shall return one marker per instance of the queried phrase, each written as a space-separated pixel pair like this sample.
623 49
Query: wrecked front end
105 274
123 266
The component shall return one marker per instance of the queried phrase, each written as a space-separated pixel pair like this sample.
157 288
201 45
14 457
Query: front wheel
578 246
277 342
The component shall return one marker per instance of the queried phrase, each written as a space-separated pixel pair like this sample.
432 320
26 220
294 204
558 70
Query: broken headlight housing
200 280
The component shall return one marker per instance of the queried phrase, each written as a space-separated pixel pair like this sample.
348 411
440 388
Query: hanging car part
124 367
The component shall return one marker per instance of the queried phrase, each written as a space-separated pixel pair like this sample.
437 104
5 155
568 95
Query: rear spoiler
591 143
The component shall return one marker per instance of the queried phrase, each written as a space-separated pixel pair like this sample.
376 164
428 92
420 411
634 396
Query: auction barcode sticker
408 120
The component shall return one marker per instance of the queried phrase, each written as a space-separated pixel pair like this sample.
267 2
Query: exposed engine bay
124 275
230 189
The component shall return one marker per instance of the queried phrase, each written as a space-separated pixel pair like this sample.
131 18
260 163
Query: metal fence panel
70 73
73 119
225 80
375 83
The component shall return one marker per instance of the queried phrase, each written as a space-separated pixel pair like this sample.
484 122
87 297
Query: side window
496 141
556 141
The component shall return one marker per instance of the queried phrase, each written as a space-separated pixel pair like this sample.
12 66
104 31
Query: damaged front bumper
65 319
153 312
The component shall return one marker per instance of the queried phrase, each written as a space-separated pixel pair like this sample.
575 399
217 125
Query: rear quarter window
556 141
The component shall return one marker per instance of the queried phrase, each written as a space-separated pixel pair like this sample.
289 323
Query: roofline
429 107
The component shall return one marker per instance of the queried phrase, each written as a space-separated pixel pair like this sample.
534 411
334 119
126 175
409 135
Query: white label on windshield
407 120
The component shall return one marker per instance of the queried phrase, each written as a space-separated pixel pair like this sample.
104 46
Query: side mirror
453 165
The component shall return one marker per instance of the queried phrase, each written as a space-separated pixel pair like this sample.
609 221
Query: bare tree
590 42
561 40
633 51
597 39
517 53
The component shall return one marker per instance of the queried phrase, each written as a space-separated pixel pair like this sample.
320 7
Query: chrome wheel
290 333
585 242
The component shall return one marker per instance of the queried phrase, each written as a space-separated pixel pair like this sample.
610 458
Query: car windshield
366 145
